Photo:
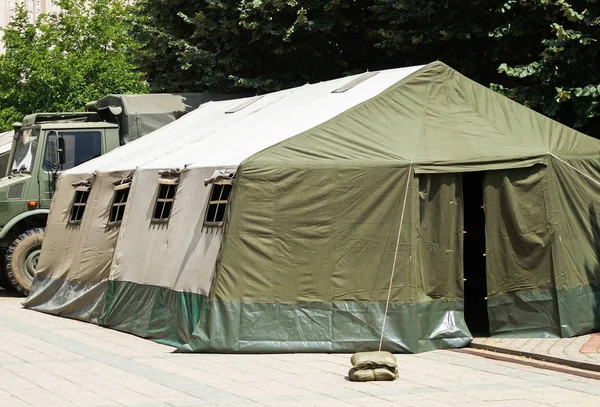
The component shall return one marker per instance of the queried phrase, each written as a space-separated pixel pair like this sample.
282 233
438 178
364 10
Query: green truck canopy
142 114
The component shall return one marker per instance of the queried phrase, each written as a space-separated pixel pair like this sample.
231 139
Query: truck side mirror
61 150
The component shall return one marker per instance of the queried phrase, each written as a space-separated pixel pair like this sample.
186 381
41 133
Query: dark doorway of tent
474 261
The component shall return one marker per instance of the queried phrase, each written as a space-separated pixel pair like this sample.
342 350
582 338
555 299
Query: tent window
219 196
164 200
79 203
118 207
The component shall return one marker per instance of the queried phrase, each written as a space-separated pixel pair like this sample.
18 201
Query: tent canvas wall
313 221
75 287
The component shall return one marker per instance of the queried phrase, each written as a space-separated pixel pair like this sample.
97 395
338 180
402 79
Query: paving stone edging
536 356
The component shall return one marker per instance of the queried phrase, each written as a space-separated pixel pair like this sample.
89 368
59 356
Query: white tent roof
152 143
298 111
213 135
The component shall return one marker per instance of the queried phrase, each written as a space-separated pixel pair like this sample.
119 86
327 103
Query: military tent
304 223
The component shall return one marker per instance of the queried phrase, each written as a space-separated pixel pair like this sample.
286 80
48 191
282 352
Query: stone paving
48 361
582 351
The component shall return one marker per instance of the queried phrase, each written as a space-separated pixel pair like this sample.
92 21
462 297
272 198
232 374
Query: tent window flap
219 196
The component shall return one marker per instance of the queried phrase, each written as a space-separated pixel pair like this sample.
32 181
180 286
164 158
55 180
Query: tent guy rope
387 302
570 166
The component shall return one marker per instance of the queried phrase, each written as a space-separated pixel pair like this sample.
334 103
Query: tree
262 45
453 31
547 50
66 60
162 34
563 79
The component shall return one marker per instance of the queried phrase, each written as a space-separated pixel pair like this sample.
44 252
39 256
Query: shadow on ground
8 294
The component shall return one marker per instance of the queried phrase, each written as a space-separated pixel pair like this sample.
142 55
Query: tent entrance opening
474 261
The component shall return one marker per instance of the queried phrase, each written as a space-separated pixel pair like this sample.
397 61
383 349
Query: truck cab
44 145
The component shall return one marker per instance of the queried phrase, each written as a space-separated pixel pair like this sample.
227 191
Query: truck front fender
4 231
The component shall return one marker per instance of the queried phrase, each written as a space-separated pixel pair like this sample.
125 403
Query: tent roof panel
174 136
305 108
434 117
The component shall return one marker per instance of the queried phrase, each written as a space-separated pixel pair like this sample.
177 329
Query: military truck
45 144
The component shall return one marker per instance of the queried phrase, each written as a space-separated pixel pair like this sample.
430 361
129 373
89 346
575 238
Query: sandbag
362 360
373 366
361 375
369 375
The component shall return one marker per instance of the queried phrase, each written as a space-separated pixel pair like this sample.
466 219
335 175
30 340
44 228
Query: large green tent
290 216
313 227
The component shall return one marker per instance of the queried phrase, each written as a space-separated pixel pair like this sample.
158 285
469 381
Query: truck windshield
27 141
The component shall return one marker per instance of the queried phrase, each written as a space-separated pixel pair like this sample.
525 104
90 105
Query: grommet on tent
380 365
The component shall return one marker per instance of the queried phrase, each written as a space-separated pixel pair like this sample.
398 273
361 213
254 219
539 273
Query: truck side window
27 141
80 146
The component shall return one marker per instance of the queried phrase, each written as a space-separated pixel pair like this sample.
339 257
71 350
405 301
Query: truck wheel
22 258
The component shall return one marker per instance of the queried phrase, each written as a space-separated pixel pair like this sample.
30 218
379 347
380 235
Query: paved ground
49 361
583 351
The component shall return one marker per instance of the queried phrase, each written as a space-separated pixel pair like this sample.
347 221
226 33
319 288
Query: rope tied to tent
570 166
378 365
387 302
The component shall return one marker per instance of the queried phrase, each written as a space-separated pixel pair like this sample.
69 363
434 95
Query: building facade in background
34 9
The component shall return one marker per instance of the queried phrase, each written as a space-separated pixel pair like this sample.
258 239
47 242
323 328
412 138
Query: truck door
79 146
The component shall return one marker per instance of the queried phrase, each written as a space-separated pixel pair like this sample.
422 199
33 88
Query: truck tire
21 259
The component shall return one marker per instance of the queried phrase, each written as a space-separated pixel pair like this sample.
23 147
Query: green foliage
67 60
543 53
563 79
261 45
453 31
265 45
162 34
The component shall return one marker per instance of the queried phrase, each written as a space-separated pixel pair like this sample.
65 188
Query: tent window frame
216 209
82 194
165 200
119 203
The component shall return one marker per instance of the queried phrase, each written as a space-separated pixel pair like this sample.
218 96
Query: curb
536 356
